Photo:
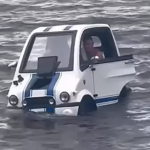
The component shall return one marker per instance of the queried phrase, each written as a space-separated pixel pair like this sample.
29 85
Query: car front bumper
66 109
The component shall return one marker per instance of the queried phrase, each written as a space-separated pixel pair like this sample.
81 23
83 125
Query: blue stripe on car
50 90
32 81
106 99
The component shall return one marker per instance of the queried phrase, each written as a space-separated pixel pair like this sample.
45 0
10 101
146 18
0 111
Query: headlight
13 100
64 97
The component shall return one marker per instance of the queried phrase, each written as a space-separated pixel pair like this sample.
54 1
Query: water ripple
130 22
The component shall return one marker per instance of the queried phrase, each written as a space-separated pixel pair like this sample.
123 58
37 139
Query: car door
110 76
111 73
86 73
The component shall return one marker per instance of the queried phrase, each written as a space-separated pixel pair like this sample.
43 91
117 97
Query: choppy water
120 127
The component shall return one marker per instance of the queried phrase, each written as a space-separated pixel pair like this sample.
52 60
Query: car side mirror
95 60
13 65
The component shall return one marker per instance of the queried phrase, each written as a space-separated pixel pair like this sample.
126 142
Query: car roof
78 27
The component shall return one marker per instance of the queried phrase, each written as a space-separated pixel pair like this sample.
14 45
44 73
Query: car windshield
50 45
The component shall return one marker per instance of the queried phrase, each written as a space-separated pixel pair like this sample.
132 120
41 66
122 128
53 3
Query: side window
108 44
102 41
83 54
83 58
98 44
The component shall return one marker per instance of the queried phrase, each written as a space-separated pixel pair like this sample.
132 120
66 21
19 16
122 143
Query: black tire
124 92
86 106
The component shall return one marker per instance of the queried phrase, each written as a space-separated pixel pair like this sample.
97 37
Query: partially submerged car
54 73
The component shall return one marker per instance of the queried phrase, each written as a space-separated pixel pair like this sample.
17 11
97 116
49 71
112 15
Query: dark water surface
124 126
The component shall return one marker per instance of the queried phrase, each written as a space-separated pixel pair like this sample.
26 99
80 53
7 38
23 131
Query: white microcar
55 74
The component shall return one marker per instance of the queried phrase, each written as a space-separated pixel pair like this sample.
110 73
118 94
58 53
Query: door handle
129 62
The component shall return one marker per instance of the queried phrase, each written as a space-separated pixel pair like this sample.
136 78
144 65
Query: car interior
103 40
